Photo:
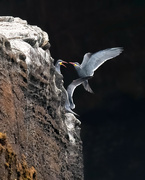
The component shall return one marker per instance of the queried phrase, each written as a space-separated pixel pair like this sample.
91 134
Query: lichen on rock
11 167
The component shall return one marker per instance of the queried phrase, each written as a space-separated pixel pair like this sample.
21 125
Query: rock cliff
38 139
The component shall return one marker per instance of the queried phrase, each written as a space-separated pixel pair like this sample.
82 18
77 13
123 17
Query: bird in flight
91 62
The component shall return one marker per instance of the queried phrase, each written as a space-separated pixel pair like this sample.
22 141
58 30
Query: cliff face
34 126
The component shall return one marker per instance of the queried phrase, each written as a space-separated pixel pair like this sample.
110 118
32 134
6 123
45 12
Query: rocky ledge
38 139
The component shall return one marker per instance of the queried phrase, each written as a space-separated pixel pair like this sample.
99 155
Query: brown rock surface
31 109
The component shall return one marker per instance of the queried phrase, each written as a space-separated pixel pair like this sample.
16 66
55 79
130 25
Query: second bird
91 62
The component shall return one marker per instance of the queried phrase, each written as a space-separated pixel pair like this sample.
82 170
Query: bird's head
75 64
60 62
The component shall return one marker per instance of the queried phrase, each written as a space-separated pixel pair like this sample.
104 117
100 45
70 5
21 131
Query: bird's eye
75 64
60 63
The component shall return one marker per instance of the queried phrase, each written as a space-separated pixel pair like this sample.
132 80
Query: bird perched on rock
91 62
58 64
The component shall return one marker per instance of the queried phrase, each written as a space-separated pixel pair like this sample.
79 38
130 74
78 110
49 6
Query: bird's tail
87 86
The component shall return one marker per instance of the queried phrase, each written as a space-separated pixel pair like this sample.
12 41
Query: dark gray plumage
58 64
64 92
91 62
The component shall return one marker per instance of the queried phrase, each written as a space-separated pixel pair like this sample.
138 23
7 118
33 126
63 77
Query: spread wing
67 104
72 87
98 58
85 59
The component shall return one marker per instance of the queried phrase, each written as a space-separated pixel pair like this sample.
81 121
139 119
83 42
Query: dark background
113 119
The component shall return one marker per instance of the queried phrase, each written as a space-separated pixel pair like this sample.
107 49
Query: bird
72 87
59 63
91 62
64 92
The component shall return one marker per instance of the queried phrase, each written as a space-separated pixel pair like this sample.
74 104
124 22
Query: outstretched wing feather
72 87
97 59
86 58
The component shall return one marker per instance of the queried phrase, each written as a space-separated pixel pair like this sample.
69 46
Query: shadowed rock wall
32 116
